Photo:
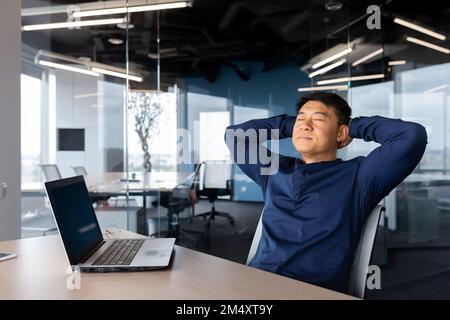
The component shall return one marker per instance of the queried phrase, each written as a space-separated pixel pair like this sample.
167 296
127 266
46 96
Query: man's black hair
331 100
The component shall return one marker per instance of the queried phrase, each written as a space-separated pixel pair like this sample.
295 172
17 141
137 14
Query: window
212 129
30 127
162 137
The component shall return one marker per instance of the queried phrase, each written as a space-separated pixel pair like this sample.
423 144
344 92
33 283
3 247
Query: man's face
316 129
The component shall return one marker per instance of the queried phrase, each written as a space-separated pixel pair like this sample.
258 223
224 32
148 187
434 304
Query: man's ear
342 133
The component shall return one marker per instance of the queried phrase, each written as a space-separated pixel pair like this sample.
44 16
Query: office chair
363 253
361 259
176 201
80 171
217 181
51 172
99 200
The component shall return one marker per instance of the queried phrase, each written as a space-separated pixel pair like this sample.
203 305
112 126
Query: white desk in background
114 184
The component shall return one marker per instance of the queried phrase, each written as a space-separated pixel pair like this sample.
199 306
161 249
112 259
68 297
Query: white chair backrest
256 238
215 175
363 254
361 259
51 172
80 171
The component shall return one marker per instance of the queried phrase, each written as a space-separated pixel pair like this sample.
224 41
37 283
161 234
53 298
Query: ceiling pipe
241 74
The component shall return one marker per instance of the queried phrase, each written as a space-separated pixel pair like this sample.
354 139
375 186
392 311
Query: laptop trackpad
154 252
157 252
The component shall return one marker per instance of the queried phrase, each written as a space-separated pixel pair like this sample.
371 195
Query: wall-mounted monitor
70 139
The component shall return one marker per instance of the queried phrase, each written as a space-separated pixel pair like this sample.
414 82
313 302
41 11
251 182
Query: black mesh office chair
216 181
176 201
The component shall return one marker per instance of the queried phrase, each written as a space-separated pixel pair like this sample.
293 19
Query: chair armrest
230 184
182 192
230 187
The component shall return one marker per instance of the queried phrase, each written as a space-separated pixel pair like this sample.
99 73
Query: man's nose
306 126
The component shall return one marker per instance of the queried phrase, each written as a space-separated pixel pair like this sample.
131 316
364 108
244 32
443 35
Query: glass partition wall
89 107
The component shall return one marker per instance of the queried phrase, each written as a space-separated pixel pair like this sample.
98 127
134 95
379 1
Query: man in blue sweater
315 208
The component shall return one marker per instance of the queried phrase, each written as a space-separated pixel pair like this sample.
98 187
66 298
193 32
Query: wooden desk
40 272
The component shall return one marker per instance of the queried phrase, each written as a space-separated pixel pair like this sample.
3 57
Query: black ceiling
215 34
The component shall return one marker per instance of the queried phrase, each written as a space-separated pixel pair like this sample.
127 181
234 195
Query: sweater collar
300 162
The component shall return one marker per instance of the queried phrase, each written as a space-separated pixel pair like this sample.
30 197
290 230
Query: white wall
10 39
112 99
78 107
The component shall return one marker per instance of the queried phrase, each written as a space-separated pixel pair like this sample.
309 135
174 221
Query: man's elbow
418 135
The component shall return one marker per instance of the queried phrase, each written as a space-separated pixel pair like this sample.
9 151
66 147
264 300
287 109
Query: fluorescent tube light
88 95
118 74
346 79
419 28
436 89
151 7
396 62
428 45
73 24
327 68
68 68
333 57
370 55
322 88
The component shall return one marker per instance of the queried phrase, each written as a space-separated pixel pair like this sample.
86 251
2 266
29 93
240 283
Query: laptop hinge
91 252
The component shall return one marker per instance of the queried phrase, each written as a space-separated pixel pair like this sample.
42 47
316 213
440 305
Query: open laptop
83 240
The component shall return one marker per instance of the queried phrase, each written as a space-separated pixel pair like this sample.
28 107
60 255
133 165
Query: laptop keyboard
120 252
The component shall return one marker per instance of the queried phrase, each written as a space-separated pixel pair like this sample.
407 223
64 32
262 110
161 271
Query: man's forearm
381 130
283 123
402 146
246 143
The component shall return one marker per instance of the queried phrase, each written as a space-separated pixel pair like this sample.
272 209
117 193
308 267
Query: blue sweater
314 213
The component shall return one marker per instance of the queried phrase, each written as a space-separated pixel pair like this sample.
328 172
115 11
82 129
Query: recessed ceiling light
327 68
367 57
428 45
322 88
396 62
333 57
71 24
346 79
118 74
116 41
333 5
130 9
123 25
68 68
420 29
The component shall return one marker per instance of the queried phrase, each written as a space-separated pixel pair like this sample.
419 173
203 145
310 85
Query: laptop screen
75 217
